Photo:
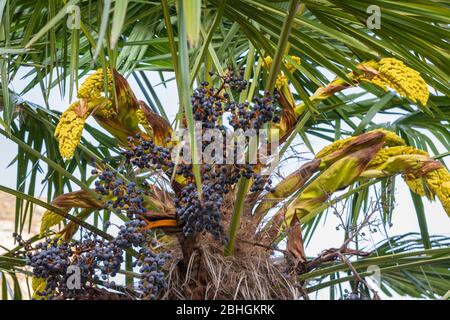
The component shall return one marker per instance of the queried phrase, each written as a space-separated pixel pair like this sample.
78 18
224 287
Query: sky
404 218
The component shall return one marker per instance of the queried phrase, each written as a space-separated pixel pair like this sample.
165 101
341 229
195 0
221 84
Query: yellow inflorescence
267 62
390 138
439 183
143 120
329 149
291 68
108 112
68 131
407 82
384 154
415 183
282 79
94 85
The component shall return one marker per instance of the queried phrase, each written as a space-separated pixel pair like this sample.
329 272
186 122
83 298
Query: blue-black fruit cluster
153 278
143 153
100 260
235 80
262 111
121 195
209 106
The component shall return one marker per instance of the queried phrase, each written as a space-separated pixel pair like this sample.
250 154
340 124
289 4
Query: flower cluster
407 82
390 139
94 85
282 79
69 129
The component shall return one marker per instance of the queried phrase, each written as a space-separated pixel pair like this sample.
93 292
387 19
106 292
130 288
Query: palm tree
291 46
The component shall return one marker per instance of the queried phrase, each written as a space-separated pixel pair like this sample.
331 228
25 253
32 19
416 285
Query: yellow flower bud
266 62
94 85
291 68
438 182
69 129
281 81
407 82
143 121
390 138
384 154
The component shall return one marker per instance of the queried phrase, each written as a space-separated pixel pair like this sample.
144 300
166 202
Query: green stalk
282 44
243 183
185 92
242 188
422 220
207 41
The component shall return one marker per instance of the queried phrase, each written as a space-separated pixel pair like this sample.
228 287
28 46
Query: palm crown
261 63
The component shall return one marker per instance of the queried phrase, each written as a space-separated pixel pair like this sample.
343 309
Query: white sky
404 219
